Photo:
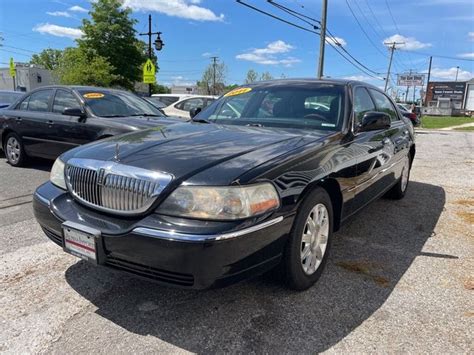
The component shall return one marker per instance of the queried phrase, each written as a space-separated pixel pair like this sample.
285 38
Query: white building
27 78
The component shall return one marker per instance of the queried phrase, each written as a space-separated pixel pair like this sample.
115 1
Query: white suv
182 107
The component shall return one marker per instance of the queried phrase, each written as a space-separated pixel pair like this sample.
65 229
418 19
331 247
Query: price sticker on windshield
238 92
93 95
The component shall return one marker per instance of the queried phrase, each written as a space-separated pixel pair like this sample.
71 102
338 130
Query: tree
79 67
252 76
48 58
266 76
110 34
160 89
205 86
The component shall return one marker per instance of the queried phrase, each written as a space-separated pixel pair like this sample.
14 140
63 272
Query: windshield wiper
199 120
145 115
110 116
254 125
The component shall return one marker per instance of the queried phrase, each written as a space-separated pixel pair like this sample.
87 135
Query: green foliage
444 121
266 76
230 88
207 81
160 89
48 58
111 35
80 67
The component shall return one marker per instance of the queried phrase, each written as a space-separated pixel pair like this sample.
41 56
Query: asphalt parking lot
400 279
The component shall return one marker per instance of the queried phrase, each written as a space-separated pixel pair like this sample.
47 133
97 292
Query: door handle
18 119
50 122
385 141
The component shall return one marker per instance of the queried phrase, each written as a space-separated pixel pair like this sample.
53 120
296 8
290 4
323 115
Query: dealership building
449 98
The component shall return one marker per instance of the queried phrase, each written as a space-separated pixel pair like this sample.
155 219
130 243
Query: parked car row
181 105
260 178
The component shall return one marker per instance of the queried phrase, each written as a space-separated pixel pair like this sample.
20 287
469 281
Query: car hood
143 122
187 149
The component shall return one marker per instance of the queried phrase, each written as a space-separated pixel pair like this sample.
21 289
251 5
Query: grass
471 128
444 121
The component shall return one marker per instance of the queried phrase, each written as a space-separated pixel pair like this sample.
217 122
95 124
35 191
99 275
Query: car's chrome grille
114 187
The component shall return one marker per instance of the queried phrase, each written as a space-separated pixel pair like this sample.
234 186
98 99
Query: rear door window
362 104
39 101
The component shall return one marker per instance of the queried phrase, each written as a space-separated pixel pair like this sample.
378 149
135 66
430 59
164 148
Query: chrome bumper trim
199 238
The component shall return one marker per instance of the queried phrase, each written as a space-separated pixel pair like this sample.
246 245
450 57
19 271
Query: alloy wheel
13 150
315 239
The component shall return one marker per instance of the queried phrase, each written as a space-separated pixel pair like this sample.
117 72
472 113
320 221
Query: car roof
309 81
79 87
12 92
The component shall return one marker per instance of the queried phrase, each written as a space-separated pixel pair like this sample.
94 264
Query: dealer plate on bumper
80 241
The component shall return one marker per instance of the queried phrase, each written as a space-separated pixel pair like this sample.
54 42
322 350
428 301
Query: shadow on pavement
370 255
32 163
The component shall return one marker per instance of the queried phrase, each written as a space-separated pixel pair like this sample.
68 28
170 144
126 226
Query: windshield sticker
238 92
328 125
93 95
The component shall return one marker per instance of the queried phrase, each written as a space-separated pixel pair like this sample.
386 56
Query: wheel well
334 191
412 154
4 136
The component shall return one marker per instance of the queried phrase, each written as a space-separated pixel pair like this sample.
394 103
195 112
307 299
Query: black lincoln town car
50 120
263 177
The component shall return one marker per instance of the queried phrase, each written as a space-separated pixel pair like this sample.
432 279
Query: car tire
398 191
312 239
14 150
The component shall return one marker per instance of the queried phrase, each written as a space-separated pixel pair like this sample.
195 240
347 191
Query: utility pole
392 49
214 64
322 41
457 72
428 79
158 44
408 87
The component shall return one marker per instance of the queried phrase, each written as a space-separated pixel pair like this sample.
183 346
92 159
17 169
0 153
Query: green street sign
149 71
12 68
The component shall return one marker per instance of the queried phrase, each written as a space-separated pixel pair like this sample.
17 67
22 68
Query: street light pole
457 72
158 44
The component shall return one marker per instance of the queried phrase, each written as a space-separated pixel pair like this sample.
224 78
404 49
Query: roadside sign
12 68
149 71
411 80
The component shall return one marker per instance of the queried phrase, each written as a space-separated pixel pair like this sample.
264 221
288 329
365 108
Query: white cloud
470 35
59 13
206 54
450 74
467 55
357 77
77 8
58 31
410 43
336 41
268 55
187 9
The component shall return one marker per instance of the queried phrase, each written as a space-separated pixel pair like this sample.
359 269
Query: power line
441 56
362 28
276 17
391 15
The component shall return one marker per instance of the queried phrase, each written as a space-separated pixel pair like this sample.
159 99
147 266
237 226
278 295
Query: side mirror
74 111
373 121
194 111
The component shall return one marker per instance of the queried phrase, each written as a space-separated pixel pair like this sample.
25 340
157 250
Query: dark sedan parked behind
50 120
263 176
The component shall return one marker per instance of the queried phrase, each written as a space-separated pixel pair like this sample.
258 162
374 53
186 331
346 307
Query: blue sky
193 30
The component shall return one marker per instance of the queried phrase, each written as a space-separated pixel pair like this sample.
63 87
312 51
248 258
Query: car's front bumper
176 252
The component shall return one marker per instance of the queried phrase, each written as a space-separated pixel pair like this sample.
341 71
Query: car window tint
362 104
188 105
64 99
168 100
39 101
24 104
232 108
384 105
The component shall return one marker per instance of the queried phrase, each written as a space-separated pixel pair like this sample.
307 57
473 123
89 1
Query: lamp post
158 44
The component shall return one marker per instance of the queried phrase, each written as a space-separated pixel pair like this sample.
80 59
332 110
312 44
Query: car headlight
57 174
221 203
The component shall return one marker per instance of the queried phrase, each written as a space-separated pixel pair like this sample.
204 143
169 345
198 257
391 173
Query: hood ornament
117 152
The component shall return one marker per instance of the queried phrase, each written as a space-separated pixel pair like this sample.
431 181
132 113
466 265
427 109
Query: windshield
118 104
9 97
316 106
